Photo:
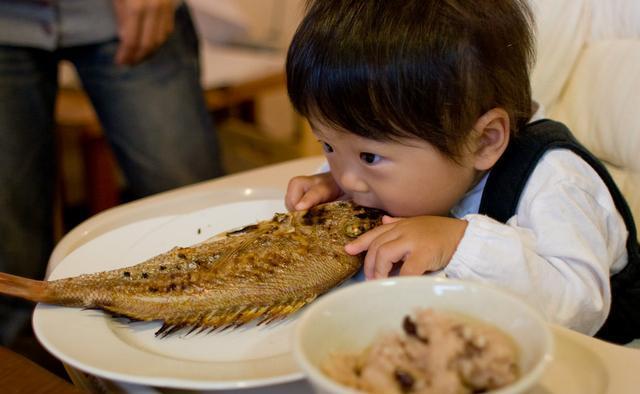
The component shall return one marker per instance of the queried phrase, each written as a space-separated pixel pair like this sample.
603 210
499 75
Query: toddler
424 110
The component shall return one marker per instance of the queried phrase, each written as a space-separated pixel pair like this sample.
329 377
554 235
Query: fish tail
29 289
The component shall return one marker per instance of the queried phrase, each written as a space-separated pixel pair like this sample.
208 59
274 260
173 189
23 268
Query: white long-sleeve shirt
559 249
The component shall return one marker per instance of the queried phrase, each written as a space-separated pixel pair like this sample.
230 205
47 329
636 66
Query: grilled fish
263 271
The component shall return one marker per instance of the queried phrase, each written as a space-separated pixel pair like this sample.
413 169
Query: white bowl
348 320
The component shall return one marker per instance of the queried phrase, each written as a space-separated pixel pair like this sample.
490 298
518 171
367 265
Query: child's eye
327 148
369 158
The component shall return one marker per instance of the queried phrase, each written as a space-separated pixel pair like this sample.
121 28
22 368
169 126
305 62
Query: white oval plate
97 344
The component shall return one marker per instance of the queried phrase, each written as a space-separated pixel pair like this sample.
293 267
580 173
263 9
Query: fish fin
194 325
117 315
283 310
200 329
29 289
223 319
226 327
192 329
168 329
233 318
173 330
211 329
165 327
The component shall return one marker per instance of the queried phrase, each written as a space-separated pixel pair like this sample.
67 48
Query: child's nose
353 183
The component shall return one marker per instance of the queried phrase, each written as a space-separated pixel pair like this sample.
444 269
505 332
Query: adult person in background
138 62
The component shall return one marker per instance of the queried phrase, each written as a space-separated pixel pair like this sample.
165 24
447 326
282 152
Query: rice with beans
437 352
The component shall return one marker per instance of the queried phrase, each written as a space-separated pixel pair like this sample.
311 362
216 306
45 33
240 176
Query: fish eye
369 158
326 147
354 230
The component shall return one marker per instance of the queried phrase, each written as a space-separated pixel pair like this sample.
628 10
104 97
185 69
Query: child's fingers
304 192
380 270
378 250
292 198
386 219
296 188
314 196
362 243
384 256
414 265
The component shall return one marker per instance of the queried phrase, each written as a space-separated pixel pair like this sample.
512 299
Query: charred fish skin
263 271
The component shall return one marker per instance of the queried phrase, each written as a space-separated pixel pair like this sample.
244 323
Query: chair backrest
587 75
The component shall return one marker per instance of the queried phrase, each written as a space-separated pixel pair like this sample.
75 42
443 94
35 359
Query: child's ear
492 133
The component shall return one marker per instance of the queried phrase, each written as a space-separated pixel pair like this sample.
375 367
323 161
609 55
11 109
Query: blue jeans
153 115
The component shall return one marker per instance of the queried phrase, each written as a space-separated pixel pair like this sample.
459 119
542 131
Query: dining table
18 374
581 364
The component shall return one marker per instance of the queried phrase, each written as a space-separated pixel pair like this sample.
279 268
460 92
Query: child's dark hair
386 69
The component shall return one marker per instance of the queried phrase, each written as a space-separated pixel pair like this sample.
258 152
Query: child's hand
422 244
304 192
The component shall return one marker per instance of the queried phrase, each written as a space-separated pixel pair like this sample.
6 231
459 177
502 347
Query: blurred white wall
247 38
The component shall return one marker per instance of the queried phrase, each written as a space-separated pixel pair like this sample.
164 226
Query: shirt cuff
482 251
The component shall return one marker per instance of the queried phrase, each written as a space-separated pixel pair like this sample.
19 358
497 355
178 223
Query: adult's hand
143 25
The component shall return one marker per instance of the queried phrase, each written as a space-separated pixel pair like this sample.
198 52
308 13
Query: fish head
345 218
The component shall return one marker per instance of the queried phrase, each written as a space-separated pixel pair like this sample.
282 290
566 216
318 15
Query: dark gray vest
502 193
